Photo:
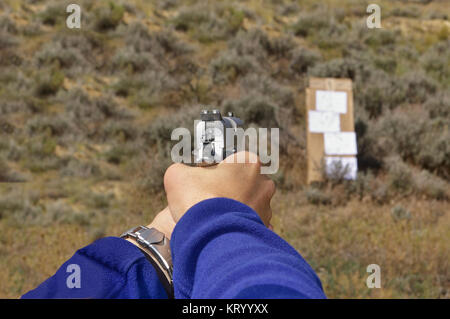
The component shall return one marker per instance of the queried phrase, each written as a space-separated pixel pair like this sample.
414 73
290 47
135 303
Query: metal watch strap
156 247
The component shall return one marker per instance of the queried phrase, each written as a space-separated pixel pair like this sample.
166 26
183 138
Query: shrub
152 88
160 43
85 112
332 36
317 197
302 59
430 185
7 41
209 22
340 68
160 130
7 25
380 92
20 209
119 152
257 43
48 82
120 130
32 29
289 9
229 65
41 157
135 62
310 22
407 12
370 152
9 175
400 213
108 16
436 61
151 177
254 109
437 15
262 102
380 37
438 105
434 153
68 51
400 176
425 142
52 125
418 86
82 169
53 14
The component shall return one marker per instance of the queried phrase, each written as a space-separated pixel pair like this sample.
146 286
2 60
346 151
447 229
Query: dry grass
85 118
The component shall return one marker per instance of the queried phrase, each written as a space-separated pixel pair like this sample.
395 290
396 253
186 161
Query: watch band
156 248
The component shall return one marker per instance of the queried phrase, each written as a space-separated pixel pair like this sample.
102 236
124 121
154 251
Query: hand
163 222
186 186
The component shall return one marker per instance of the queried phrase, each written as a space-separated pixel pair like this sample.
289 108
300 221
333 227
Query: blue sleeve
108 268
221 249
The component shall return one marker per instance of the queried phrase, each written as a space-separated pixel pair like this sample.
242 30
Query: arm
221 246
108 268
222 249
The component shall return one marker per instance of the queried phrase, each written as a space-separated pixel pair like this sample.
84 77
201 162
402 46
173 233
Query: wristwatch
156 247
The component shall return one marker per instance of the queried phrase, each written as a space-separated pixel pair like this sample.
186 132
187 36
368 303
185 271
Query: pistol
213 141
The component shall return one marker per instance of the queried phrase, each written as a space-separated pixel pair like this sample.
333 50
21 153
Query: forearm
108 268
221 249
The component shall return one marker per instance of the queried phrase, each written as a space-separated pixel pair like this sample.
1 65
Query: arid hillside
86 116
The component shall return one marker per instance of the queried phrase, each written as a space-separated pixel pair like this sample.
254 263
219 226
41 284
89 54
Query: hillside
86 116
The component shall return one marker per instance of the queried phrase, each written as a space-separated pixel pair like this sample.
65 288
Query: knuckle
171 172
271 188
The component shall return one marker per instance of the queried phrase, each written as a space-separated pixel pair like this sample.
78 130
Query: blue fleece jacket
220 249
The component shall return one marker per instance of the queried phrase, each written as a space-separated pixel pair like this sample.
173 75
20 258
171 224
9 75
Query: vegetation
86 117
